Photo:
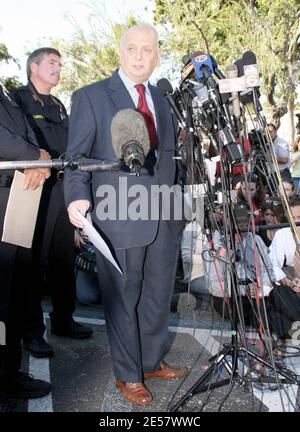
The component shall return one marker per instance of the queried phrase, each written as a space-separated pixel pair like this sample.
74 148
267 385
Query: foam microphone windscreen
129 125
249 58
240 65
186 59
231 71
164 86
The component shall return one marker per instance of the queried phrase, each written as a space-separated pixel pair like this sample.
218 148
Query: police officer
54 237
17 142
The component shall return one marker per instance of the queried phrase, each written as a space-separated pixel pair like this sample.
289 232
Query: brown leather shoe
135 392
166 372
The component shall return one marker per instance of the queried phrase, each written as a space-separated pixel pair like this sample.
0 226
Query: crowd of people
265 261
34 125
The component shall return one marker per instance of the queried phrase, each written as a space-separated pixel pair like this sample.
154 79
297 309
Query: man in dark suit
136 303
17 142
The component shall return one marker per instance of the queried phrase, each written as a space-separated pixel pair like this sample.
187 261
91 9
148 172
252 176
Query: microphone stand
82 164
228 357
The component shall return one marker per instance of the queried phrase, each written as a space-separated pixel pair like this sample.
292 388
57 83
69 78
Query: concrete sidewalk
82 378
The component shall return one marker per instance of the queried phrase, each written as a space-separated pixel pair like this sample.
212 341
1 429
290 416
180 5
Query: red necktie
147 114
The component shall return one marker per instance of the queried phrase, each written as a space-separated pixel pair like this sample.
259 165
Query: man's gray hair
37 55
139 27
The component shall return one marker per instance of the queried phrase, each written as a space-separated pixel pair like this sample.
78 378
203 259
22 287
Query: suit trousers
137 303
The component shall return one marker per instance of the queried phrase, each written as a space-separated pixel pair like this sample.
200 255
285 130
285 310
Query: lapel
122 99
119 93
159 114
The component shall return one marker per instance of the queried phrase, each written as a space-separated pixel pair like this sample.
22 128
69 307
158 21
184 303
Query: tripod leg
201 384
289 378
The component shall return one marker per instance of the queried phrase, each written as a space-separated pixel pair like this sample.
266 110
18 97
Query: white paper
21 213
98 241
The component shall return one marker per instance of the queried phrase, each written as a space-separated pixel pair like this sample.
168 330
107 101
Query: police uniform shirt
47 116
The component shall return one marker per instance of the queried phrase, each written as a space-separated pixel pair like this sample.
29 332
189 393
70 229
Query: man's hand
78 240
82 206
44 155
285 281
36 177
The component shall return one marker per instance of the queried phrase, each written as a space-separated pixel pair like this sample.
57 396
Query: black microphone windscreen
214 62
164 86
129 125
186 59
240 65
249 58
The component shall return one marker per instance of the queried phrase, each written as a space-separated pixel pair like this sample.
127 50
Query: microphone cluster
216 100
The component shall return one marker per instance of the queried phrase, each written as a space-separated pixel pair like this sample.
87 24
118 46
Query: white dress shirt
281 148
134 93
282 251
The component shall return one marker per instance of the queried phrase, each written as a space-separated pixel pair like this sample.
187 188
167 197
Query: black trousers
53 252
282 307
284 311
250 313
137 303
15 283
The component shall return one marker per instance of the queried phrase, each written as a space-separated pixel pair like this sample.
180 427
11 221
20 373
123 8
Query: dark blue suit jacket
93 108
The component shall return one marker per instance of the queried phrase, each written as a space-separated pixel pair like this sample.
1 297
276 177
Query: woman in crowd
273 213
296 163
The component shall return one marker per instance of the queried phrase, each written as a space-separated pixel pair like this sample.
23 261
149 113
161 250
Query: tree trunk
290 132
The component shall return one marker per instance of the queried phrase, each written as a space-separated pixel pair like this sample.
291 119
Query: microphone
250 69
240 66
200 90
186 59
231 71
203 66
219 74
165 88
130 138
246 96
81 163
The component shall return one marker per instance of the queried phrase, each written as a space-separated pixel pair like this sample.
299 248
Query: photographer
282 151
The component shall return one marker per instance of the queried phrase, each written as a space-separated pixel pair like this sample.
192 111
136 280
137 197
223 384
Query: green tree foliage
90 57
226 29
4 55
9 82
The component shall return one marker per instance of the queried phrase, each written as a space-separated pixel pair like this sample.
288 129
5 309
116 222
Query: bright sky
28 24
